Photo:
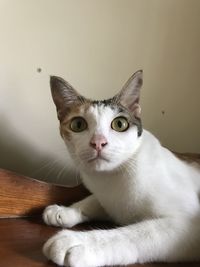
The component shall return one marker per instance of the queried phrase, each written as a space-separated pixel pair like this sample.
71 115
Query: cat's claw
61 216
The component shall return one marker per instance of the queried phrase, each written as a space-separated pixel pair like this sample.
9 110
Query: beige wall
96 45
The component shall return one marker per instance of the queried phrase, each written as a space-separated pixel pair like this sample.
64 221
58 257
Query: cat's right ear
64 95
130 94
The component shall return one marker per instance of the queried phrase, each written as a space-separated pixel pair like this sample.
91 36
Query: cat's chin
99 165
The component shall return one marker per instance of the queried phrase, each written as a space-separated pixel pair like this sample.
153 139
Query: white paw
62 216
69 248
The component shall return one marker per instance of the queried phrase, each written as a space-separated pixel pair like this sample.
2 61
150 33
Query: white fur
141 186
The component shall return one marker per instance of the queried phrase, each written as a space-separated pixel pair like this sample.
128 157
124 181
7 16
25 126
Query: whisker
45 165
60 173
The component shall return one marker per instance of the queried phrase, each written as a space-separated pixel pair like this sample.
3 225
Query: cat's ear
129 96
64 95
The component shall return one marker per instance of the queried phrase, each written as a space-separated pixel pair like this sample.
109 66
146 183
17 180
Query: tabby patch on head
100 135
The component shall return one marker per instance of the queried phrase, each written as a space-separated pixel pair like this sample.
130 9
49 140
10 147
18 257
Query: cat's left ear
129 96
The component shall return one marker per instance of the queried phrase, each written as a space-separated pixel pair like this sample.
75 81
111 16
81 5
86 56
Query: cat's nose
98 142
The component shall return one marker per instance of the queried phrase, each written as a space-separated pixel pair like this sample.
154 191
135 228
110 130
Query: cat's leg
164 239
82 211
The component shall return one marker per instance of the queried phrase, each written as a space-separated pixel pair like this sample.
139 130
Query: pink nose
98 142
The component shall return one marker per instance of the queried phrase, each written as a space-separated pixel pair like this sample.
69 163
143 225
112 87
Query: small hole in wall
163 112
39 70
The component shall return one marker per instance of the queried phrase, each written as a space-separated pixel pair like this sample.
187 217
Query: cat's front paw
61 216
69 248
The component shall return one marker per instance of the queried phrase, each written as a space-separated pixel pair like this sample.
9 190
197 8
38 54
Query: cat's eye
78 124
120 124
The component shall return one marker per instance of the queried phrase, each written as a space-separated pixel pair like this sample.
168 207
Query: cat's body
135 193
134 182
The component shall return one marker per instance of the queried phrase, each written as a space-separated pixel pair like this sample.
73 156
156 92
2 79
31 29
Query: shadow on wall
18 156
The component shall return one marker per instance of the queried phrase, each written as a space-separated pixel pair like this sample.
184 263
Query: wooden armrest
23 196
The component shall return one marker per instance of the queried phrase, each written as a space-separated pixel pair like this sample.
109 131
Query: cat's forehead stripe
106 102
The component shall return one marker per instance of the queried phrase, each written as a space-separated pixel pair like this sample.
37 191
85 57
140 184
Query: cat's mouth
98 157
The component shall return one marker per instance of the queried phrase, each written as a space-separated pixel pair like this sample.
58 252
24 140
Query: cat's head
100 135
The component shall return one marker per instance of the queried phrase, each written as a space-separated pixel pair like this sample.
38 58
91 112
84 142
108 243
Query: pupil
119 124
79 123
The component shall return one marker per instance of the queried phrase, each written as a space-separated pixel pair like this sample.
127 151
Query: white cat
134 181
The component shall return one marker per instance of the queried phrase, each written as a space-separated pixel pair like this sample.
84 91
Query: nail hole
39 70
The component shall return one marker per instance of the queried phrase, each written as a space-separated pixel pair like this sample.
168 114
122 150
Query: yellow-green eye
78 124
120 124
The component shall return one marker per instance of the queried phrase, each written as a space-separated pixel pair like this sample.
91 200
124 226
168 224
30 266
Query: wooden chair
22 231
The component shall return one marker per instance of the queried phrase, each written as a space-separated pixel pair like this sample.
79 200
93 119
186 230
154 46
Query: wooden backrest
189 157
23 196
